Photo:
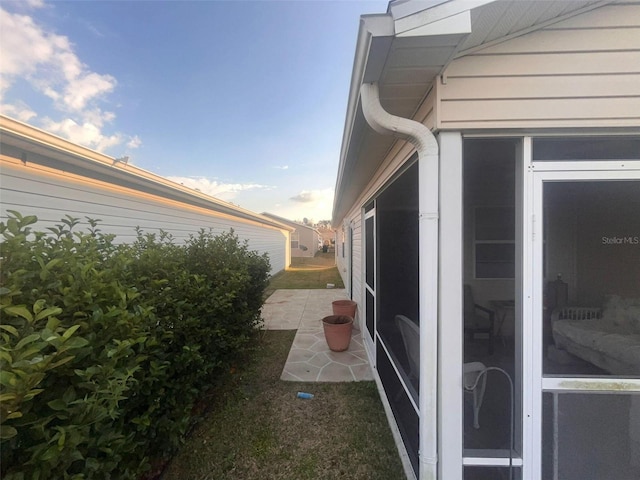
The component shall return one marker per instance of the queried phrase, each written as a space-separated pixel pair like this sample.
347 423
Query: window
494 242
295 240
586 148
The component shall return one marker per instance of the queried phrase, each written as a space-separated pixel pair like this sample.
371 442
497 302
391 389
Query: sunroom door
585 321
369 278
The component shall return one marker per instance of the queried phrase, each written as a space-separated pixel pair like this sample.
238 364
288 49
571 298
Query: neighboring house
490 146
50 177
327 234
305 240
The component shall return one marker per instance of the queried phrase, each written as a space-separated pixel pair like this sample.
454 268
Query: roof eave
368 62
375 39
70 154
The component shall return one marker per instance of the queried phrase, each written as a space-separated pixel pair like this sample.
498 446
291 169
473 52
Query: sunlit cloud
18 110
315 205
223 191
86 133
34 3
308 196
134 142
48 63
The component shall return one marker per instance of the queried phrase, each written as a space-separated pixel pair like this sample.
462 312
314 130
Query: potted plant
344 307
337 331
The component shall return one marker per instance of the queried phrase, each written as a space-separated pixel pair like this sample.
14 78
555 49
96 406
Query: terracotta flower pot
344 307
337 331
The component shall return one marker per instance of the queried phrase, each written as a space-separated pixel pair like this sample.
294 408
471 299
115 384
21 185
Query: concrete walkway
310 359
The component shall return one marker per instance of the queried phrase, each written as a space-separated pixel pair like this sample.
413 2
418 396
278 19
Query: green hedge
105 348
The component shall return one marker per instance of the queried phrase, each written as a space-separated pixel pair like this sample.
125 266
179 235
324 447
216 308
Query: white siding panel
578 63
567 86
554 41
426 113
582 72
543 109
358 273
50 196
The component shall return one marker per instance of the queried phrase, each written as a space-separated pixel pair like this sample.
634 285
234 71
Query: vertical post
450 391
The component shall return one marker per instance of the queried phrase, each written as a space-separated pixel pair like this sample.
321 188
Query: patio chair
411 339
477 319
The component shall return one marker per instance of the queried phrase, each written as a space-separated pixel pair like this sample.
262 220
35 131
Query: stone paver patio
310 359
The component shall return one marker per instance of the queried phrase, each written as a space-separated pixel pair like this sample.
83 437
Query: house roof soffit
427 36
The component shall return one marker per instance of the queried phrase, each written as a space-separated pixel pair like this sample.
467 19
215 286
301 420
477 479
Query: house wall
489 181
51 194
308 238
581 72
580 218
342 261
605 268
343 254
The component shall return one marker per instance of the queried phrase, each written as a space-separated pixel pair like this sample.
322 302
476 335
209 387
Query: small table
502 307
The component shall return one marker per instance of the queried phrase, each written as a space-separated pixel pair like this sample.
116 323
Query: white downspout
427 147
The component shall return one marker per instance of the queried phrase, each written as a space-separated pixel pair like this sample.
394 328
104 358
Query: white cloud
48 63
313 196
282 167
85 133
223 191
18 110
315 205
34 3
134 142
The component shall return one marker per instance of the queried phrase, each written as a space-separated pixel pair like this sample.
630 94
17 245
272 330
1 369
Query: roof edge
371 26
286 221
75 154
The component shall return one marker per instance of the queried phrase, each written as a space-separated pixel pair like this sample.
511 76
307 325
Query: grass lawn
257 428
308 272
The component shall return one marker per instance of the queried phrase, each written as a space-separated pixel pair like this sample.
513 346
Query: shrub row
105 348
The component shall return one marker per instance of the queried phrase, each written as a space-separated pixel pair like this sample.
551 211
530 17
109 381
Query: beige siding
426 114
50 195
355 219
357 255
580 72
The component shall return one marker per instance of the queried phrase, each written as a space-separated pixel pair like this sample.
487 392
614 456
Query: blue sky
244 100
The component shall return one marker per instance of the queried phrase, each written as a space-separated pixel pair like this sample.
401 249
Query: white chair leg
478 397
476 385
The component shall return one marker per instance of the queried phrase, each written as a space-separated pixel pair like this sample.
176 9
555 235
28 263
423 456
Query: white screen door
370 278
583 322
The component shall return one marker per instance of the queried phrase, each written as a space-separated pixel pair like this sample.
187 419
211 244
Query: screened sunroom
493 235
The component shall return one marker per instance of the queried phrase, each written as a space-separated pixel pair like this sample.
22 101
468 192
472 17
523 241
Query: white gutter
427 147
371 27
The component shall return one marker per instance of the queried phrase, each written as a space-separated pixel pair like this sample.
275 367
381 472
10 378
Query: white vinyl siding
357 257
51 194
584 71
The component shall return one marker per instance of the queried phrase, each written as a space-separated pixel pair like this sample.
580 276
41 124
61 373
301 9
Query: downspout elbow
386 124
